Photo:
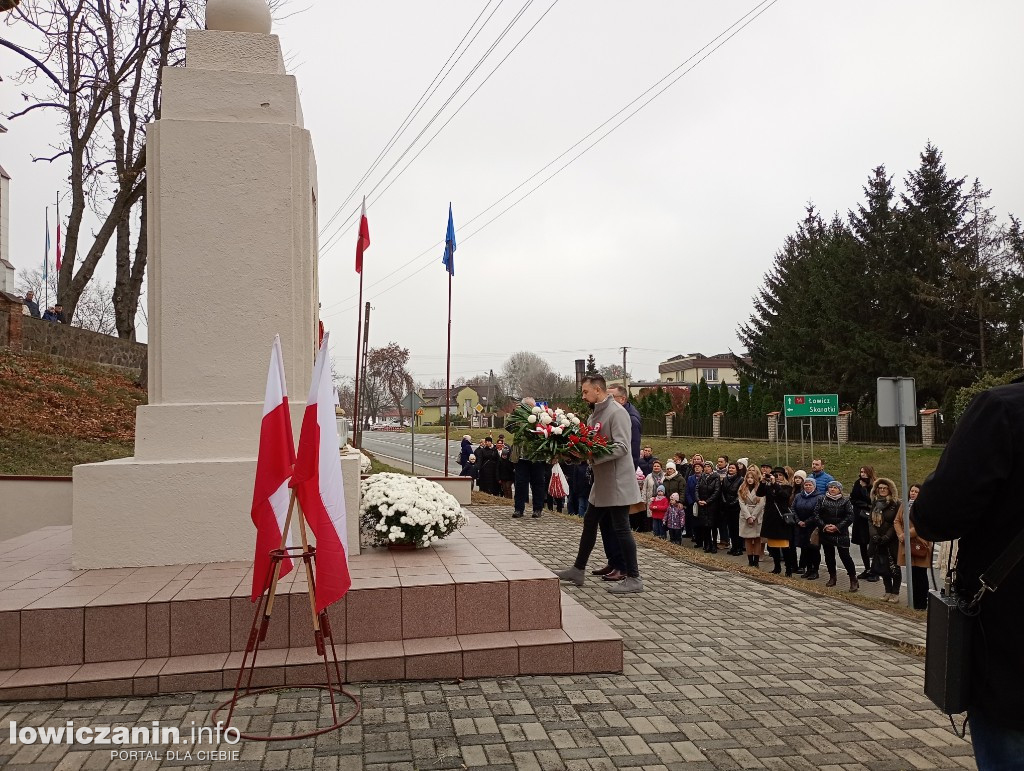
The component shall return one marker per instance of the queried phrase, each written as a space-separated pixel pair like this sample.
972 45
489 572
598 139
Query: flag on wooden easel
318 484
271 493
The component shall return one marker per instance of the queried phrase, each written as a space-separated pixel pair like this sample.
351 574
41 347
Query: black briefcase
948 656
952 625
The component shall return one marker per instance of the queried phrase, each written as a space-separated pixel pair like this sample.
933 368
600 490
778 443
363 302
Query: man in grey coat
614 490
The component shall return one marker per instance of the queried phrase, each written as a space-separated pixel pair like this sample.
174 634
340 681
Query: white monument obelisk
232 234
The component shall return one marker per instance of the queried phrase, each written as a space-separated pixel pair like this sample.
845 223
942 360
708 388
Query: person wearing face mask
860 534
884 549
805 504
833 516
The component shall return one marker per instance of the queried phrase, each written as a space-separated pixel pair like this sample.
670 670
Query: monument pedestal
232 235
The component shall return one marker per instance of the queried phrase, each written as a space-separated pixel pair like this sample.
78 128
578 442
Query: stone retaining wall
31 335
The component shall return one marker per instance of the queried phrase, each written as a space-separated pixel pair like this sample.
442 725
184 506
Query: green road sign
811 405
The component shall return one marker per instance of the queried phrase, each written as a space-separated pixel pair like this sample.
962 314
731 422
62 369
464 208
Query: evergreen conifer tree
743 398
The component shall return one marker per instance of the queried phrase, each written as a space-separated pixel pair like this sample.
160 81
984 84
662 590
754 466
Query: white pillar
232 229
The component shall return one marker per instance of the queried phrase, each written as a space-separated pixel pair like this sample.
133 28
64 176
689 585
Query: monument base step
584 644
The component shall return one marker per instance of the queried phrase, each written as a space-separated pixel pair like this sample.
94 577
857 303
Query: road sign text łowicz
811 405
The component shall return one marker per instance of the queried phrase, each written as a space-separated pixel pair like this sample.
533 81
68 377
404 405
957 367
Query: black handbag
789 517
952 624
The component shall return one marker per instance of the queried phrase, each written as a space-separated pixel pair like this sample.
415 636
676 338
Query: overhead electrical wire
443 126
717 42
428 92
341 229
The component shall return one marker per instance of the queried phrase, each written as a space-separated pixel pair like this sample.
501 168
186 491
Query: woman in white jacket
751 516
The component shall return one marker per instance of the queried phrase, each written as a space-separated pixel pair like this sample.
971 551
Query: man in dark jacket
33 306
984 512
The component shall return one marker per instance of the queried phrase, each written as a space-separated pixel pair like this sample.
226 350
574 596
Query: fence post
928 427
843 426
716 425
670 419
773 426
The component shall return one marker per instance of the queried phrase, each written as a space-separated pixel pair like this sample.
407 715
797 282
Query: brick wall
45 337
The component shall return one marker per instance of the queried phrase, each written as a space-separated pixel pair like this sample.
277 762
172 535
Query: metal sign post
897 406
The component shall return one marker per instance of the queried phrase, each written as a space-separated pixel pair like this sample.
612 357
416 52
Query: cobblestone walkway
722 672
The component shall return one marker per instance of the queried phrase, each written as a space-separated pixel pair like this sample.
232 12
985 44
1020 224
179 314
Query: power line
342 228
444 125
717 42
428 92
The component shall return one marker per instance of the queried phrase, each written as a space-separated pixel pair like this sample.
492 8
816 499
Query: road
392 446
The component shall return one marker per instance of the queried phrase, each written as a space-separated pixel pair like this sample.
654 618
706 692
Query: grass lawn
30 454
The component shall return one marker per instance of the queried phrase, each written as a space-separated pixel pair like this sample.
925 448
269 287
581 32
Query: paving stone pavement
721 672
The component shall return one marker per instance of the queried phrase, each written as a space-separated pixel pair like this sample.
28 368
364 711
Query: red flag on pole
364 238
273 471
318 485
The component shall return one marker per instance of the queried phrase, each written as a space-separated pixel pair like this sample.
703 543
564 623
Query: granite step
475 582
582 643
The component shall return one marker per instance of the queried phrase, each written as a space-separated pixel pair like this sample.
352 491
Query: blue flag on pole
449 244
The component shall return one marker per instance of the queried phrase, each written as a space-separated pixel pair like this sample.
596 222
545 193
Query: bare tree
524 374
95 309
388 367
99 64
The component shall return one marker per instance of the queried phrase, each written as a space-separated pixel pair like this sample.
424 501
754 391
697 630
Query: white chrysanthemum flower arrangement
399 509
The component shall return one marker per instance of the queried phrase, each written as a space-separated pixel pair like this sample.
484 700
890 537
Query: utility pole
360 415
625 376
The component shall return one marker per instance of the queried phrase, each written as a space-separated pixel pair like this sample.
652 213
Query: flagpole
56 267
46 263
356 437
448 377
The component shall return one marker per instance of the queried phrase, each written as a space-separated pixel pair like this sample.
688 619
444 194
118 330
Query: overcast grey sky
658 237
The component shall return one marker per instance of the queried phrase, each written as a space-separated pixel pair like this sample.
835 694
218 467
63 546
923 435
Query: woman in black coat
709 490
777 491
730 511
860 497
884 548
833 516
487 460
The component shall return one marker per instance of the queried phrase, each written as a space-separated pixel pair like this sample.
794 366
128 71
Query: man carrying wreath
614 490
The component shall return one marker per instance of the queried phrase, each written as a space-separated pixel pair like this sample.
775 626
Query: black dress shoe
602 571
536 515
517 515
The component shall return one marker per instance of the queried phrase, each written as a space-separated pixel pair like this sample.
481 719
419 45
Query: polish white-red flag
273 473
363 241
318 484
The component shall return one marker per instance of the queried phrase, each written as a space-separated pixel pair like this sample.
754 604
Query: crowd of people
30 307
791 516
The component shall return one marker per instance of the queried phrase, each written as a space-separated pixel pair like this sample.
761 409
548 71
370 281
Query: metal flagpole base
258 633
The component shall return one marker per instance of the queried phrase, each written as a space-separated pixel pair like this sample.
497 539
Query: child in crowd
657 508
675 519
471 470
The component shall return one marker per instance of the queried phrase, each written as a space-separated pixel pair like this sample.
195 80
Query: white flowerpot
238 16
